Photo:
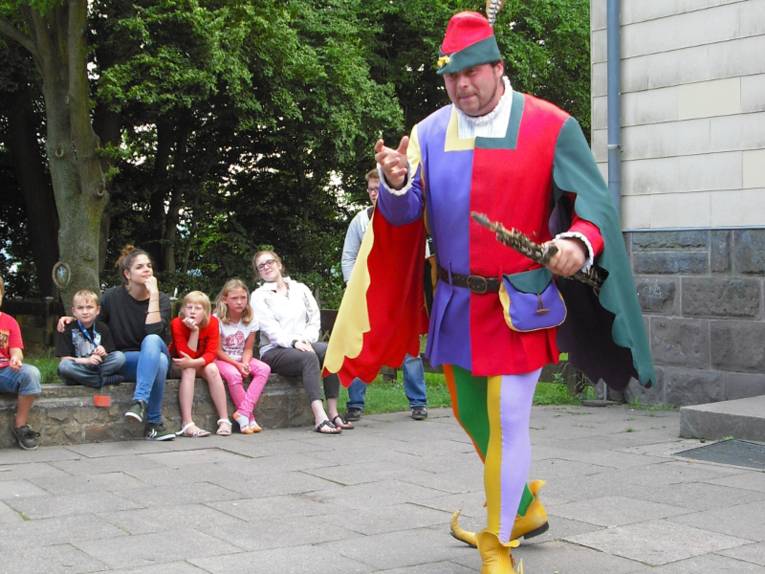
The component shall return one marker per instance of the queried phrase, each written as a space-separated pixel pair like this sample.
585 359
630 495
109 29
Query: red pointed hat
469 41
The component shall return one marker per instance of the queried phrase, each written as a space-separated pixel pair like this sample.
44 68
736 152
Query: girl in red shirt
195 343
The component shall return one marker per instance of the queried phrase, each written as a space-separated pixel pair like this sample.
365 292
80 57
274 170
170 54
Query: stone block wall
702 295
66 415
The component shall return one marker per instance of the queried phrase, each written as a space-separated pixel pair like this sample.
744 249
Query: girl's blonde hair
221 309
201 299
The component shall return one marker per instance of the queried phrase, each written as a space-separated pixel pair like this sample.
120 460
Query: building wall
693 186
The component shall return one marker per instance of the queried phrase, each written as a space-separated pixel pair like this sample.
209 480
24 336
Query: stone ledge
741 418
66 415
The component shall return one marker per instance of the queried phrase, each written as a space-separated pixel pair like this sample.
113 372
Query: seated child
86 347
17 378
194 348
235 361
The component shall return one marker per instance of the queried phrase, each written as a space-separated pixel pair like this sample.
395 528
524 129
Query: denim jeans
91 375
148 368
25 381
414 386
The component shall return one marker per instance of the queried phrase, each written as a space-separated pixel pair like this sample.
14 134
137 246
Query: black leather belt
476 283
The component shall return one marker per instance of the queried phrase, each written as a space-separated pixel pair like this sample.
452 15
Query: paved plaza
378 499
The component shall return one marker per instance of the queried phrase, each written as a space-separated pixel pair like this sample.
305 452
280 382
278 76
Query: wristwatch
294 342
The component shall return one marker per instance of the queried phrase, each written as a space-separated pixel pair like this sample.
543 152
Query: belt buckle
477 284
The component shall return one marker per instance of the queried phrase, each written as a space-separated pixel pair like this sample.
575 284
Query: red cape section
394 300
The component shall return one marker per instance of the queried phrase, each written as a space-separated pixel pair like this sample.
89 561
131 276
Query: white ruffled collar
476 123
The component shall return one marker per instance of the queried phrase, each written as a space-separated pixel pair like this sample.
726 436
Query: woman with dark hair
138 315
289 337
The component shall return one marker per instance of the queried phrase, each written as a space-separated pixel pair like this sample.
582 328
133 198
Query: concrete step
741 418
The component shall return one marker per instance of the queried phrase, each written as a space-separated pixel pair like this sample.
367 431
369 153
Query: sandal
190 430
342 424
255 427
224 427
326 424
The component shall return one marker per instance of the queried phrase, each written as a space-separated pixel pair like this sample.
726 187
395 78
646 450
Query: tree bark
34 184
76 170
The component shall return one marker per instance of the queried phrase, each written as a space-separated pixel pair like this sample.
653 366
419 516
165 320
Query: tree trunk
76 170
34 184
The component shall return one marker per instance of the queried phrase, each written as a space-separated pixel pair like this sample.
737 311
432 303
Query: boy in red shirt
17 378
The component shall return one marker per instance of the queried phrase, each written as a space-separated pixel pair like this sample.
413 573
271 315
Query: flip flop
344 425
328 424
190 430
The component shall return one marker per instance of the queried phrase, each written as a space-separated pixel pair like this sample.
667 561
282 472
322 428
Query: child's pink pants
245 401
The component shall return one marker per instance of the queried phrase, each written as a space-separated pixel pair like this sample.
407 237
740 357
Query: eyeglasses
264 264
371 189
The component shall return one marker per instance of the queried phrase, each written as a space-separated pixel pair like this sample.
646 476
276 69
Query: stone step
740 418
66 415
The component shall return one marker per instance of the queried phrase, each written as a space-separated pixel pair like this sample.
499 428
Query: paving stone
293 560
617 510
53 531
376 494
18 488
432 568
50 506
709 563
156 548
656 542
30 470
379 520
401 548
288 531
172 568
178 459
8 515
102 465
182 493
161 519
745 480
753 553
695 495
63 559
108 482
562 558
274 507
742 520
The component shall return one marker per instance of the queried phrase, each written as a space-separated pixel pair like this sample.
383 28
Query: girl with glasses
289 338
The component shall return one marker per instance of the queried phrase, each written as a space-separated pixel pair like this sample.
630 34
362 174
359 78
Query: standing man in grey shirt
414 373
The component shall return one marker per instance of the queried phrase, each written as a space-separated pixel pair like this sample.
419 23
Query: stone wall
66 415
702 296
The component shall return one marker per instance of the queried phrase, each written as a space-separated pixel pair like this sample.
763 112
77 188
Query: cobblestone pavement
378 500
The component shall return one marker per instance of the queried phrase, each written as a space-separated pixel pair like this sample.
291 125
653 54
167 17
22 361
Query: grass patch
48 365
388 396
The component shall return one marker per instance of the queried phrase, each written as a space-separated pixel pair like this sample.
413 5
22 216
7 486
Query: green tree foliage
225 125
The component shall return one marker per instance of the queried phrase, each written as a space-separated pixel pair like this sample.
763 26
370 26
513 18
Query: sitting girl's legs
233 379
260 372
148 368
186 394
293 362
331 390
211 374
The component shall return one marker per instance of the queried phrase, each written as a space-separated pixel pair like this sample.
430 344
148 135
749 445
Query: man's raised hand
394 163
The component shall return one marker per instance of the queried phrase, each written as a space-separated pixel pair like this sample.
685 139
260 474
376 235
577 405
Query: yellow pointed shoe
534 522
496 558
531 524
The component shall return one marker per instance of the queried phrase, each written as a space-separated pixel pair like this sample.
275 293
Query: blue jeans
148 368
414 386
90 375
25 381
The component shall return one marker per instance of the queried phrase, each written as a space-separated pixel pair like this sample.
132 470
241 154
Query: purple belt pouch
531 301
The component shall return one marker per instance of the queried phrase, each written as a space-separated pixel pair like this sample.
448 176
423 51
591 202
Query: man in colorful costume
525 163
